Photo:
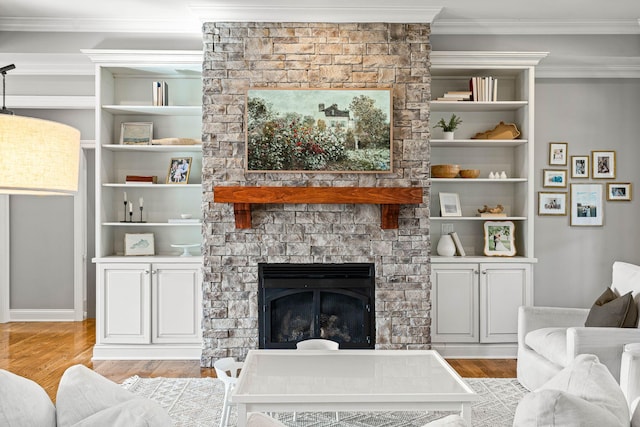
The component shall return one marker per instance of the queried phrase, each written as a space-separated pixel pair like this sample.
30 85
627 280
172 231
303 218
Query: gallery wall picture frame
603 164
579 166
619 191
554 178
319 130
179 170
139 244
136 133
450 204
553 203
499 238
558 153
587 208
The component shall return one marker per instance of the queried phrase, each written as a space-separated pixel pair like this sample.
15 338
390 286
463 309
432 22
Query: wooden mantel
389 199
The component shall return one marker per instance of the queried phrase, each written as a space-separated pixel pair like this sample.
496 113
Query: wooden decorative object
390 199
445 171
501 131
469 173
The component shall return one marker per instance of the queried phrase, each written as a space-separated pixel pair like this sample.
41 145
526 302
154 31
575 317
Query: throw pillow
23 403
612 311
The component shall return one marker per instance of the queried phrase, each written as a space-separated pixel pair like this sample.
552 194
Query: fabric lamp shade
38 157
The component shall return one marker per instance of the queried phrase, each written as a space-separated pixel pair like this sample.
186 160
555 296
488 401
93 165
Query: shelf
389 199
477 106
477 218
477 143
196 148
150 224
194 259
166 110
480 259
119 185
479 180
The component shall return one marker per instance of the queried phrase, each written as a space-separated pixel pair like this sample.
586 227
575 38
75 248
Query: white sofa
549 338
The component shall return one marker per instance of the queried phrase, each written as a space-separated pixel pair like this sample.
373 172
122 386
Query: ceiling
447 16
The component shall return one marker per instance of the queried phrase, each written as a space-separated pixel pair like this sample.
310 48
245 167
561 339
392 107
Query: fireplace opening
304 301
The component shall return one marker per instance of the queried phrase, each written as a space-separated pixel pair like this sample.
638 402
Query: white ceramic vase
447 135
446 247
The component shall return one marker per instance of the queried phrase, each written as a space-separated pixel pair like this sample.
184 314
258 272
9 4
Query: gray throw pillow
612 311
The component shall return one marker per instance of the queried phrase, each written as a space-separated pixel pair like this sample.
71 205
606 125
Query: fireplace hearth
304 301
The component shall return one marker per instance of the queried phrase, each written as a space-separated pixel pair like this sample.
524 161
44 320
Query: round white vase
446 247
447 135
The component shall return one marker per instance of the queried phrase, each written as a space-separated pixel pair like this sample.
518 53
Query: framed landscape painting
319 130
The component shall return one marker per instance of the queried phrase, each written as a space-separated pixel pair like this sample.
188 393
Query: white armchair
549 338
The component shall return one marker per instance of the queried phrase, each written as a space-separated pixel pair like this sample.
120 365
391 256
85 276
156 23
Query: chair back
227 369
317 344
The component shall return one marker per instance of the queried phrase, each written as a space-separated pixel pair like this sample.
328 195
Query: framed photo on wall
450 204
579 166
619 191
586 205
604 164
558 153
554 178
136 133
552 203
499 238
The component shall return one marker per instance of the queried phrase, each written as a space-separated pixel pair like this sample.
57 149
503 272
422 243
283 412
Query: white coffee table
349 380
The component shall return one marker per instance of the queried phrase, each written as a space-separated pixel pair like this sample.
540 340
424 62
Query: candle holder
125 212
130 216
141 214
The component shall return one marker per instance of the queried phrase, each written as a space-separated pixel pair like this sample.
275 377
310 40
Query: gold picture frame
603 164
179 170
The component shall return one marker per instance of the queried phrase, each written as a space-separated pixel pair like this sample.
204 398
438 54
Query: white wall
574 263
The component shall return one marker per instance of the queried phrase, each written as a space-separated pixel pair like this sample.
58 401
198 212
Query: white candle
130 207
125 196
141 201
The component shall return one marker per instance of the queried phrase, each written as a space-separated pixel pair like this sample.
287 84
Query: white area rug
194 402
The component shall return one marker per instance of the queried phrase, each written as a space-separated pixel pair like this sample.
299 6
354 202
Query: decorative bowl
185 216
445 171
469 173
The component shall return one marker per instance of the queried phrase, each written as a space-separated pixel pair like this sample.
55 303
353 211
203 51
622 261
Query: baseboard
476 351
147 352
45 315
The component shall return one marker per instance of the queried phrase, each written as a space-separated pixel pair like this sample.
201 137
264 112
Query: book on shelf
458 244
184 221
141 179
160 92
484 89
456 95
492 215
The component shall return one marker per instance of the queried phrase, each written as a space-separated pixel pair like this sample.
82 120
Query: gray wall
574 263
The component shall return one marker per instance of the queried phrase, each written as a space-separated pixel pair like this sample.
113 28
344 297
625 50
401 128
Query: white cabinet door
455 303
176 303
503 288
123 309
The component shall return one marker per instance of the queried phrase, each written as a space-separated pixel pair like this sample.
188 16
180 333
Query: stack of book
484 89
456 95
160 93
141 179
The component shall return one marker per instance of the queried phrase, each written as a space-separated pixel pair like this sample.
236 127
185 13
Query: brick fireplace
242 55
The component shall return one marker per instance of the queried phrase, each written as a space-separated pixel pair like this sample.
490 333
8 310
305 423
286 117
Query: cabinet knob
484 271
153 271
146 272
476 272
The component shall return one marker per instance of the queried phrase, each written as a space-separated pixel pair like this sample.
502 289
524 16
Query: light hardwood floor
42 351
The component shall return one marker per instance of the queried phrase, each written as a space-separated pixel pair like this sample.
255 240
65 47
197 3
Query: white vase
448 135
446 247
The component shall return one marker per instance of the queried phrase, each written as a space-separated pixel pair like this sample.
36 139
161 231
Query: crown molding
534 26
591 67
143 57
305 12
105 25
48 64
479 59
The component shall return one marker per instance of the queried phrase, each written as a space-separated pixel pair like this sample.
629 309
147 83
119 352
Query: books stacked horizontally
160 93
484 89
456 95
141 179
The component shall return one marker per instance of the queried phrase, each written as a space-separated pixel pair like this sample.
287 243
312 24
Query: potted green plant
448 127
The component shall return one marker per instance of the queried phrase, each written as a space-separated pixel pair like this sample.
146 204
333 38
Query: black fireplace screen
302 301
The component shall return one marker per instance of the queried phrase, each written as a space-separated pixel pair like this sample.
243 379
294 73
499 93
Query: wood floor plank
42 351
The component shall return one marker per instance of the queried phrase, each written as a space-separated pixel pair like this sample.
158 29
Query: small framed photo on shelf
138 133
558 153
619 191
579 166
139 244
586 205
179 170
604 164
450 204
499 238
554 178
552 203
